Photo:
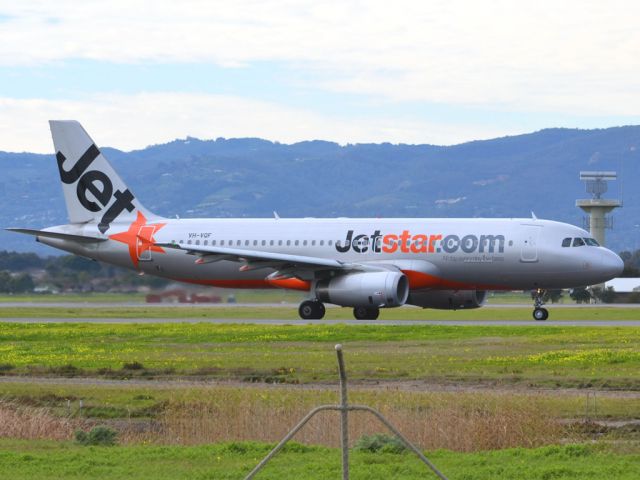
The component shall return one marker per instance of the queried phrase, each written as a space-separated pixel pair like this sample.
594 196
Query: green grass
45 460
291 313
539 355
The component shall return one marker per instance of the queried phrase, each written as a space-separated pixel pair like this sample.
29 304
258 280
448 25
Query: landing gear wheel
366 313
540 314
311 310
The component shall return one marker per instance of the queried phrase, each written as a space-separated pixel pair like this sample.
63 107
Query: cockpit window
566 242
578 242
591 242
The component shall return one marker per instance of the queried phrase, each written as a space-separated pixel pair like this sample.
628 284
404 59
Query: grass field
173 430
537 355
45 460
146 400
186 414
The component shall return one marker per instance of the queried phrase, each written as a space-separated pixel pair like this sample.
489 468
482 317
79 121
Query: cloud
575 56
137 120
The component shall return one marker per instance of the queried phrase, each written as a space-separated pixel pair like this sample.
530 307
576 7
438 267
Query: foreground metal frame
344 408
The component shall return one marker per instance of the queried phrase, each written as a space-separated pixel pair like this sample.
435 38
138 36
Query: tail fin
93 191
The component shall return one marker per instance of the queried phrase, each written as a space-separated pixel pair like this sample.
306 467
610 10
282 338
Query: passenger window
264 242
330 242
271 243
297 242
288 243
279 243
189 242
313 243
578 242
322 243
304 243
566 242
197 242
181 241
222 243
255 243
213 243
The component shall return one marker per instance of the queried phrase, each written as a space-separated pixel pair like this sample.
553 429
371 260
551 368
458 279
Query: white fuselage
436 253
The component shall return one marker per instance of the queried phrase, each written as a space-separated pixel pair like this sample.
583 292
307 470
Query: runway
63 304
276 321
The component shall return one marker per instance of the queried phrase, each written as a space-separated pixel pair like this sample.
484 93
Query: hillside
503 177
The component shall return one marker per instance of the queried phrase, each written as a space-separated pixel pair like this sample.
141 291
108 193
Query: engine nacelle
448 299
379 289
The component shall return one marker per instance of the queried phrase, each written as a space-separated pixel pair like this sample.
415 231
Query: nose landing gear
539 312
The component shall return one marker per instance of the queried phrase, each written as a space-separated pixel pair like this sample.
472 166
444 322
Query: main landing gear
539 312
366 313
311 310
314 310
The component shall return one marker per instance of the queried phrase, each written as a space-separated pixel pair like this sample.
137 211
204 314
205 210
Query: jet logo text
98 184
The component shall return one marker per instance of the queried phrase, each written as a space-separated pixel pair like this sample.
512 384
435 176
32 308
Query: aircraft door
529 251
143 242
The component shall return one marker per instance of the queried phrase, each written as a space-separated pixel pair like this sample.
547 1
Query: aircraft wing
254 259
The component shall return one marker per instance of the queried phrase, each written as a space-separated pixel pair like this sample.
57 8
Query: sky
137 73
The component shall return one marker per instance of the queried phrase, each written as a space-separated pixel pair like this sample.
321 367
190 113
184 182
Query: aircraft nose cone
611 264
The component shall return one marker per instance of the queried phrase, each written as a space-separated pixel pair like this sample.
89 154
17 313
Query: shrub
97 436
6 367
380 442
133 366
67 370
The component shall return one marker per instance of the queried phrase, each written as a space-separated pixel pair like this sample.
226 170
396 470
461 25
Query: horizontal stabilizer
57 235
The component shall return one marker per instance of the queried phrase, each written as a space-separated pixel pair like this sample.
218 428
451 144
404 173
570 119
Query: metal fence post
344 414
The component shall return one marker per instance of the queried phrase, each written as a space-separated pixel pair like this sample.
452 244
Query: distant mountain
249 177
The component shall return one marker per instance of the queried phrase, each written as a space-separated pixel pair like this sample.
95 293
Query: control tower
598 207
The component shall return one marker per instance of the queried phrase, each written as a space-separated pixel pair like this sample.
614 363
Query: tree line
23 272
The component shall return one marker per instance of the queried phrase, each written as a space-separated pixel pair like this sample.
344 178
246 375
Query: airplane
362 263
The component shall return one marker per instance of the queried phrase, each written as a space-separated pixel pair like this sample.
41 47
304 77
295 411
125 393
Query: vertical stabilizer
93 191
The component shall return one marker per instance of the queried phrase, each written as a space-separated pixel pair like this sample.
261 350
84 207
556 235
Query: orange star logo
139 238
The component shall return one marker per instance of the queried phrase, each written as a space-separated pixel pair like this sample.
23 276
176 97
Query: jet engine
448 299
376 289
